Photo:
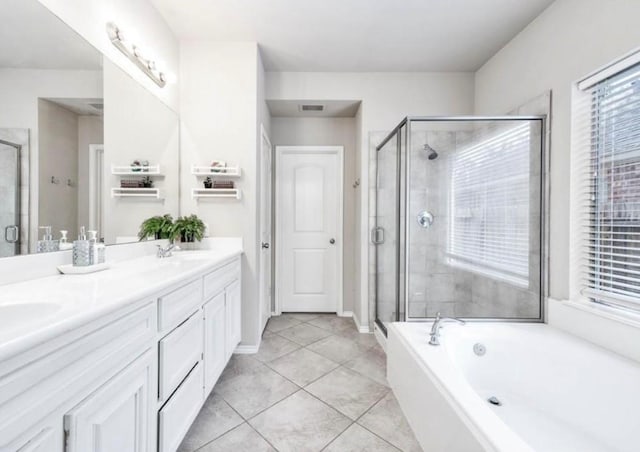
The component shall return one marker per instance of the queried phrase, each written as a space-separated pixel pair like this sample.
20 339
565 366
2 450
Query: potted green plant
208 182
147 182
158 227
189 229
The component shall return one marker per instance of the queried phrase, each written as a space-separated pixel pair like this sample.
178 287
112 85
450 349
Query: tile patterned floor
316 384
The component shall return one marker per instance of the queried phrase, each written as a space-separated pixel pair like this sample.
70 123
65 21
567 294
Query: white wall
386 99
220 115
20 90
330 132
58 157
142 24
566 42
137 126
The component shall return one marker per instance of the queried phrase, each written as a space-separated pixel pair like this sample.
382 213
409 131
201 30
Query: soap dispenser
64 243
102 252
47 244
81 250
97 249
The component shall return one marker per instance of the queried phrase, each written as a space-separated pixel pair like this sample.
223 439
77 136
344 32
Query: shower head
432 154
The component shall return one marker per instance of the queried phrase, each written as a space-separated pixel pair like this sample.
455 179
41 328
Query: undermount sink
19 313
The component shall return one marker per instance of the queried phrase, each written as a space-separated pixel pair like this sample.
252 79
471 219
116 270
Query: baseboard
346 314
361 328
246 349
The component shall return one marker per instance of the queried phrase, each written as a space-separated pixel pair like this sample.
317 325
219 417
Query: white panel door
309 227
265 231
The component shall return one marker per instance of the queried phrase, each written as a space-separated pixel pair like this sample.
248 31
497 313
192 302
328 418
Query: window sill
608 327
622 315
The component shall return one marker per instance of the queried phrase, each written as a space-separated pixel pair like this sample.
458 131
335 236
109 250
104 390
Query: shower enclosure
459 219
9 198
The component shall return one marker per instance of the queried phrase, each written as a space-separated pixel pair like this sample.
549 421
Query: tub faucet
165 252
435 329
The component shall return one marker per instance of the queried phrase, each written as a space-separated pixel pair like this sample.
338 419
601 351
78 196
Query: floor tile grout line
220 436
262 436
357 421
377 435
246 419
338 436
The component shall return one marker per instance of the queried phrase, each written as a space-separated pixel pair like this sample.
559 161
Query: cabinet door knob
332 241
265 245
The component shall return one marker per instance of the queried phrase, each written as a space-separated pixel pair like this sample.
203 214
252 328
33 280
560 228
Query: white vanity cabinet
233 300
132 380
215 351
87 381
115 418
195 352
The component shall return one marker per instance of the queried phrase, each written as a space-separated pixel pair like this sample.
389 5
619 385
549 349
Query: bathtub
558 393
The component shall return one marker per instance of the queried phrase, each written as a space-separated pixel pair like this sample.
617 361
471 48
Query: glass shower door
385 235
9 198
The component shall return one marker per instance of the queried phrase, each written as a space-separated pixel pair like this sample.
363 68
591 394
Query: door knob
332 241
265 245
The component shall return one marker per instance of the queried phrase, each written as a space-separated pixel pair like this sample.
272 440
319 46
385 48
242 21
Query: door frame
264 137
96 188
279 152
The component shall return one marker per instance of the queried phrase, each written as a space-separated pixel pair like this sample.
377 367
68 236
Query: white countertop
34 311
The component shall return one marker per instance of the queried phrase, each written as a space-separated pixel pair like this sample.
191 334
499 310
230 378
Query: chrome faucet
165 252
435 329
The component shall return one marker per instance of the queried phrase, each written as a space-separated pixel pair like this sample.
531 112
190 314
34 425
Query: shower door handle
377 236
12 233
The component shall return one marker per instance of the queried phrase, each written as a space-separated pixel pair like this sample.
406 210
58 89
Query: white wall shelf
228 171
136 193
152 170
216 193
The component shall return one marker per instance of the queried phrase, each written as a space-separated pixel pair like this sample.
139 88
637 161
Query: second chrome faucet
437 324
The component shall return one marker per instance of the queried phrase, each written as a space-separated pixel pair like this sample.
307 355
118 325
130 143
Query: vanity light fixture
135 54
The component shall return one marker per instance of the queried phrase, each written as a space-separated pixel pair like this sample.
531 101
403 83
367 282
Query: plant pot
208 185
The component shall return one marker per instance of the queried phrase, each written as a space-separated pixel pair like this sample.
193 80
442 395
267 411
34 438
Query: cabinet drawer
179 351
176 416
216 281
175 306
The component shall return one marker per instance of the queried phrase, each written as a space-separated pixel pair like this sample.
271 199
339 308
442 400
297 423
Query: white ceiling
31 37
358 35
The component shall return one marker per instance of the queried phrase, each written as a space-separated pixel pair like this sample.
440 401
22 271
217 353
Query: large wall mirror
81 142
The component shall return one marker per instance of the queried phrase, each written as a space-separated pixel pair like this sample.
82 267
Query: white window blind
490 198
606 185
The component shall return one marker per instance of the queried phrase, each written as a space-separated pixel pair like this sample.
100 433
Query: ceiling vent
315 108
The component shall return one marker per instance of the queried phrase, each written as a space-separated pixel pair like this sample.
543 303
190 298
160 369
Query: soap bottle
102 252
47 244
97 249
64 243
81 250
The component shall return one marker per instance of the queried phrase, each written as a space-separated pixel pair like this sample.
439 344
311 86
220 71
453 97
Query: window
607 154
490 200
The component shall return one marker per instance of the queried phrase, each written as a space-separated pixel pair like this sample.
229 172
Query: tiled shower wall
434 284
